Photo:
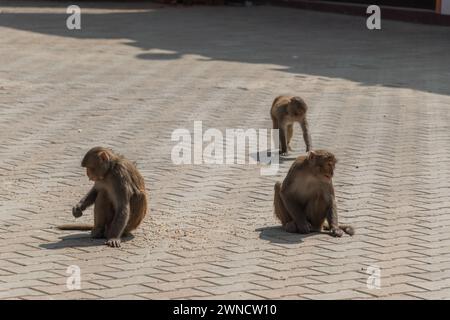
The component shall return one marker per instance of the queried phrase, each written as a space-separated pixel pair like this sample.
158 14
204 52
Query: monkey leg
118 224
274 123
315 214
291 227
290 133
282 134
306 134
297 213
283 141
103 210
281 213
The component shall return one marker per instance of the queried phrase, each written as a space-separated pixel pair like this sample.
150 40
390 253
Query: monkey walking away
285 111
305 201
118 195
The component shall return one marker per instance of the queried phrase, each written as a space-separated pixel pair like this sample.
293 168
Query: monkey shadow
79 240
276 234
264 157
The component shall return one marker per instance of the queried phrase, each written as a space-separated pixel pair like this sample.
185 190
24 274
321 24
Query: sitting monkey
118 195
306 198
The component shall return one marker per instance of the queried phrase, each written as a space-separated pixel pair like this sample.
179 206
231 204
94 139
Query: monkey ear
311 155
103 156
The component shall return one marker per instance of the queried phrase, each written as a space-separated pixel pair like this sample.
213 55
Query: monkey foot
306 228
113 243
290 227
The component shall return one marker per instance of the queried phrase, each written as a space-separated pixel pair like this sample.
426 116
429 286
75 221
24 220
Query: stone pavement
135 72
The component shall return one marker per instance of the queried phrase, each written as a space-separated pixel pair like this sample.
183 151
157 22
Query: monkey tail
347 229
76 226
280 211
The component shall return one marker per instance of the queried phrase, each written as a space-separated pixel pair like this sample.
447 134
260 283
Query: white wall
445 7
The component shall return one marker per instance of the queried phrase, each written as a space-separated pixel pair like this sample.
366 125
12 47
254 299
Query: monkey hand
336 232
77 211
113 243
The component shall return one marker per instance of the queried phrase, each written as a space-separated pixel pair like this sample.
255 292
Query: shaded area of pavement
400 55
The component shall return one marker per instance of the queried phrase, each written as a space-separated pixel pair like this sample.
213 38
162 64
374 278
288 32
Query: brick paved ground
379 100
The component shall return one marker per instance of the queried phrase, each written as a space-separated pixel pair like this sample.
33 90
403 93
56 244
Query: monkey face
327 167
92 174
324 161
299 112
297 107
95 173
97 163
97 169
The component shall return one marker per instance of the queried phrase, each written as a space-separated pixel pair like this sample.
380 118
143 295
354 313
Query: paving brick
343 294
18 292
297 291
235 287
392 289
126 289
232 296
177 294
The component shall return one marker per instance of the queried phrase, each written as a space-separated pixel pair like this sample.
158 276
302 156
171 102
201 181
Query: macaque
118 195
306 197
285 111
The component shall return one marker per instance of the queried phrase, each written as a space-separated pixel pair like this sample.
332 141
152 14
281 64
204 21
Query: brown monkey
118 195
285 111
306 198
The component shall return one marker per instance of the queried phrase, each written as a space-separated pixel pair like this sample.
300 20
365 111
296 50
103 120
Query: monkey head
323 162
97 162
297 107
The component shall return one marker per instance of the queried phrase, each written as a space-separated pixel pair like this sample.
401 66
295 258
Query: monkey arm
296 211
332 218
88 199
306 135
283 140
120 220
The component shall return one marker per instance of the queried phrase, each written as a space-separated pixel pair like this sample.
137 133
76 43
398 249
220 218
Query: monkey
306 197
118 195
285 111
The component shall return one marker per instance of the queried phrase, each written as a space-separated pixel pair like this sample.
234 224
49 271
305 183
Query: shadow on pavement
264 156
401 55
276 234
79 240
